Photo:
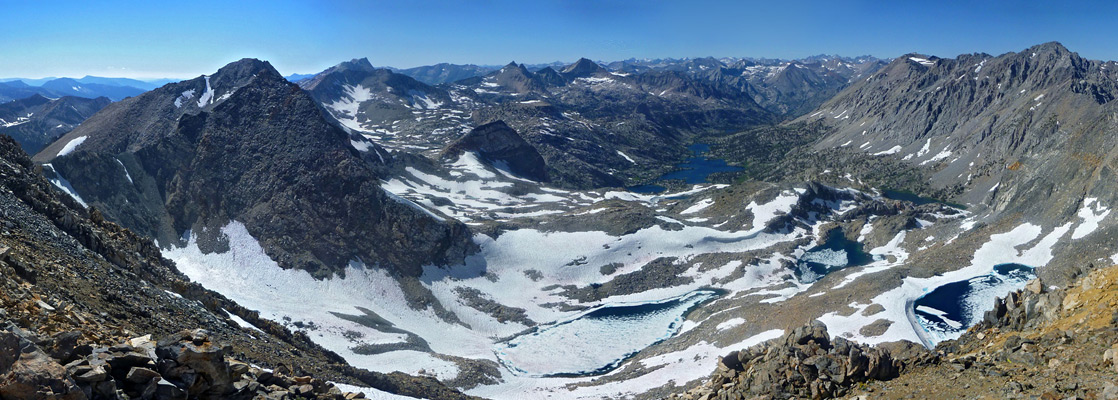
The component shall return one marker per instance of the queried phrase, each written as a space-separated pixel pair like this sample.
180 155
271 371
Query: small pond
949 310
694 170
836 253
597 341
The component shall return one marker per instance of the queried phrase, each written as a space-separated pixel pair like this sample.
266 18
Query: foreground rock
186 365
806 363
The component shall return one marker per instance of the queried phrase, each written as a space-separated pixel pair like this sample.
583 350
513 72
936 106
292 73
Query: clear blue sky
153 39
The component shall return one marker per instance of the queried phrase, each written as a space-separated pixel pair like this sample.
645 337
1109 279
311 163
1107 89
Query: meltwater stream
599 340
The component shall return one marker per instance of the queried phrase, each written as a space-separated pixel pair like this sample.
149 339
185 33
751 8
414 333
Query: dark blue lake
836 253
947 311
694 170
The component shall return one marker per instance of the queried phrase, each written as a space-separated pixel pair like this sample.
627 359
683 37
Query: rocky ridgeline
806 363
189 364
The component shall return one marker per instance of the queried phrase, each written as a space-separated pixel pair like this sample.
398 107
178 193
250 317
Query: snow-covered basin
518 269
949 310
598 340
899 303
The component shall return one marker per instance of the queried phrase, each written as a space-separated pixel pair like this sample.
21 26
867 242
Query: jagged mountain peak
1053 47
360 64
247 67
582 68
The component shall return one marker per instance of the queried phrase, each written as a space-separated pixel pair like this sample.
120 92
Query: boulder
27 372
194 350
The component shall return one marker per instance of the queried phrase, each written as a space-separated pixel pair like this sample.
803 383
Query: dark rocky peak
513 68
1049 48
330 83
583 68
514 77
550 77
501 147
268 157
356 64
917 59
240 72
145 118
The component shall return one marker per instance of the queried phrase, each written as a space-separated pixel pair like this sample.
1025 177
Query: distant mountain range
595 125
36 121
88 87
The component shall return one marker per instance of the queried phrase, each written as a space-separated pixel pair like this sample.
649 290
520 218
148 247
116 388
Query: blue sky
146 39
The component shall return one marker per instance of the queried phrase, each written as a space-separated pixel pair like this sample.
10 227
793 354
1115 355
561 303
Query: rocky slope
37 121
1037 342
807 363
76 287
244 145
1026 133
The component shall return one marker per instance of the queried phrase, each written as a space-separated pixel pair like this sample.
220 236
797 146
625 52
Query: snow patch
1091 217
72 145
63 184
207 96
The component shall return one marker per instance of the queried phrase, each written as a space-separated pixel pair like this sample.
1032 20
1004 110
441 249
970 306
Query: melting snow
187 95
922 61
730 323
126 174
207 96
699 206
72 145
1091 218
64 185
893 150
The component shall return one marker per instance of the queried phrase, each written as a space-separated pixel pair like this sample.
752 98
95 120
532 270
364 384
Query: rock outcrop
807 363
186 365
